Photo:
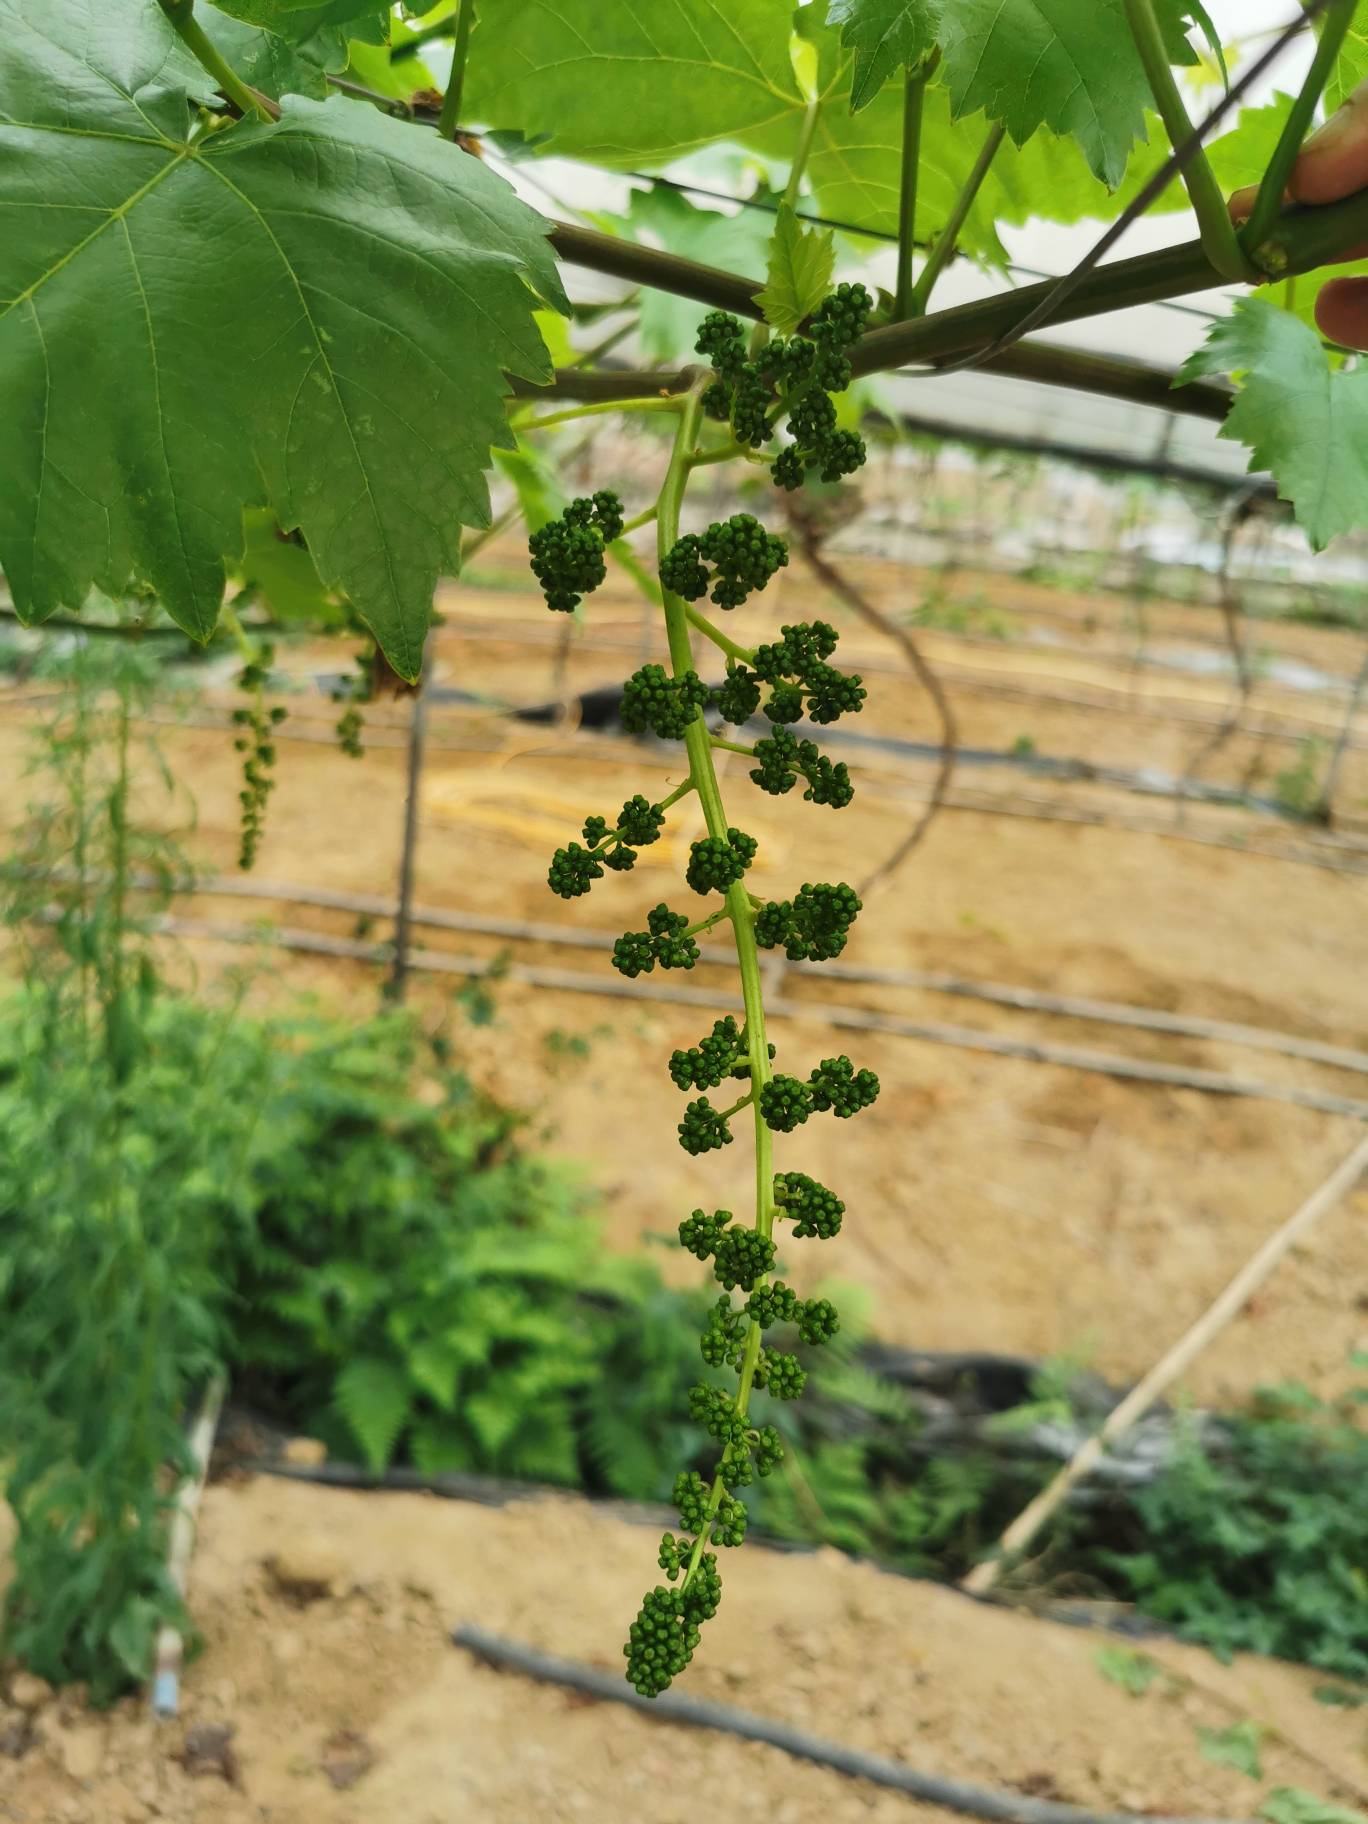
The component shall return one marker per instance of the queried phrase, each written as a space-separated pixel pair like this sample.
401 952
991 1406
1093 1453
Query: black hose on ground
698 1713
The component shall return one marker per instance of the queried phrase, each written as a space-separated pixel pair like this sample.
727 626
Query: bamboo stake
1167 1370
165 1694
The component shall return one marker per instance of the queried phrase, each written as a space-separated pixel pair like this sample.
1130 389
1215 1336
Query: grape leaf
799 276
273 64
281 573
885 35
1351 66
142 406
300 19
1299 418
855 162
1069 65
680 74
370 65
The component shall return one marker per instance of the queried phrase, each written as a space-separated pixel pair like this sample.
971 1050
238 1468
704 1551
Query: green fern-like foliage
414 1279
375 1397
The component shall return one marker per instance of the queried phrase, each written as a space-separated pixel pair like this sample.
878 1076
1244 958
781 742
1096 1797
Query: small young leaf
885 35
800 265
1201 18
1134 1672
674 77
435 1370
1237 1747
493 1417
1296 414
1294 1805
1340 1697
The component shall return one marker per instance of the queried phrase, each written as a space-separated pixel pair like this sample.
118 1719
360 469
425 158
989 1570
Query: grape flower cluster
255 741
758 1330
790 377
566 554
732 558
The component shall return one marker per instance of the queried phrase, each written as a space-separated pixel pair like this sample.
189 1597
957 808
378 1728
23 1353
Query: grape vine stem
914 101
1269 201
196 40
451 101
698 745
1204 193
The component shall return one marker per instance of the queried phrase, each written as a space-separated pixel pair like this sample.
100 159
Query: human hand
1333 164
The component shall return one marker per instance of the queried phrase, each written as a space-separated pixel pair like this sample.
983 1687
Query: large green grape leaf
314 315
300 19
1067 65
621 82
1298 416
885 35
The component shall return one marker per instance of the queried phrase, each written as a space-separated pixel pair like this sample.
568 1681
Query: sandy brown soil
994 1203
351 1707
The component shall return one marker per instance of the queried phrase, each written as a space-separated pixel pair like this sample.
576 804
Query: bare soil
328 1691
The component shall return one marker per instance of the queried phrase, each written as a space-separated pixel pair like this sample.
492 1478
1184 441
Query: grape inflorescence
790 377
757 1329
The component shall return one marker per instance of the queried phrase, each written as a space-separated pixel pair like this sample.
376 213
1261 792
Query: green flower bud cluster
815 1211
666 940
705 1065
716 862
794 377
801 682
734 557
256 743
720 1055
574 870
788 679
835 1086
811 927
652 699
566 554
352 692
783 759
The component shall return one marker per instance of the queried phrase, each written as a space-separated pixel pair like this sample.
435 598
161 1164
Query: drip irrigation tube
931 1032
999 1807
